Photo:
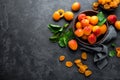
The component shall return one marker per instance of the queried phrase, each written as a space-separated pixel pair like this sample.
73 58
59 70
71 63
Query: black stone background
26 52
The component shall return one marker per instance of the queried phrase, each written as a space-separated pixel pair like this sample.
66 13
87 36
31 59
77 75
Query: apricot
95 4
61 12
97 31
106 6
79 32
85 22
81 17
88 73
62 58
113 4
56 16
87 30
84 55
72 44
117 25
78 25
77 61
112 18
69 64
92 39
103 29
94 20
68 15
75 6
84 37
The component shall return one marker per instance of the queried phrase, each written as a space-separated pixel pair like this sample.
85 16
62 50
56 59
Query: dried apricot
84 55
62 58
95 4
69 64
118 51
88 73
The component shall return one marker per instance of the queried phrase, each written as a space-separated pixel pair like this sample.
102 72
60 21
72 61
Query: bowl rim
81 41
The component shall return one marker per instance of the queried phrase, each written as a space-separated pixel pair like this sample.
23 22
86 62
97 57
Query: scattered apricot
75 6
94 20
62 58
88 73
72 44
68 15
117 25
61 12
79 32
69 64
84 55
78 25
77 61
118 51
56 16
95 4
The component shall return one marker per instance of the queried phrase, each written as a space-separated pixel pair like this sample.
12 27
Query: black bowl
85 42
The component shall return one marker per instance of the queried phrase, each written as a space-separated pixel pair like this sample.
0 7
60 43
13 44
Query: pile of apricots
87 28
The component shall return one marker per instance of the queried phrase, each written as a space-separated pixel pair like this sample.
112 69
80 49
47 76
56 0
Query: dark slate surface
26 52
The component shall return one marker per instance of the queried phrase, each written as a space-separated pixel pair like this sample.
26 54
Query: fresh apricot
117 25
81 17
56 16
79 32
87 30
92 39
84 37
97 31
61 12
88 17
78 25
68 15
75 6
94 20
103 29
85 22
72 44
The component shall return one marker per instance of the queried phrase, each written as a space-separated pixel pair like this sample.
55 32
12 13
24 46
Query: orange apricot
87 30
69 64
56 16
68 15
62 58
79 32
94 20
75 6
103 29
72 44
78 25
85 22
117 25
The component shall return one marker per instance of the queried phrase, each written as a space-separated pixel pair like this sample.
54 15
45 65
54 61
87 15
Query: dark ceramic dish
99 39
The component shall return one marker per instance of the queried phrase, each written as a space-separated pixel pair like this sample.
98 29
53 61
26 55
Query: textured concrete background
26 52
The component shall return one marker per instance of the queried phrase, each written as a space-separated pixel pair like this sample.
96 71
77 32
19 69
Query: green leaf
101 22
66 25
62 42
54 28
54 38
112 53
100 16
113 45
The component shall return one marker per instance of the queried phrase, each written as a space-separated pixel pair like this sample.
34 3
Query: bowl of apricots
108 5
87 30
